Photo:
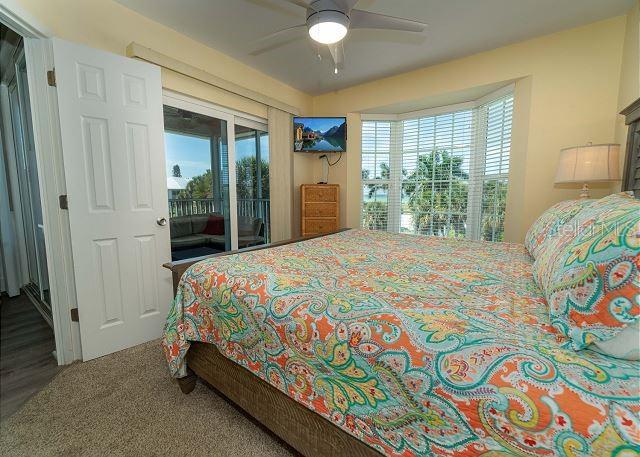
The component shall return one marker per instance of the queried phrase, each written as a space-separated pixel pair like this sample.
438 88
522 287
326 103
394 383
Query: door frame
46 130
178 100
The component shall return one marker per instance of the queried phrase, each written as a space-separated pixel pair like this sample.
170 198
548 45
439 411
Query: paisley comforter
415 345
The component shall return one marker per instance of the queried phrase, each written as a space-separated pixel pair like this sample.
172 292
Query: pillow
215 226
590 274
625 345
546 226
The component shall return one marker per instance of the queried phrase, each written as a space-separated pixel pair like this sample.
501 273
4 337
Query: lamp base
584 192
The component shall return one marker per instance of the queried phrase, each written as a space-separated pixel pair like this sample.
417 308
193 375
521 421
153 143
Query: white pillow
625 345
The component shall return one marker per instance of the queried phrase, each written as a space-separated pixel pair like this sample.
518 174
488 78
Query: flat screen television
319 134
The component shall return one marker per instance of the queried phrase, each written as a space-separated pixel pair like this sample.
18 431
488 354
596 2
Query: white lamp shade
594 162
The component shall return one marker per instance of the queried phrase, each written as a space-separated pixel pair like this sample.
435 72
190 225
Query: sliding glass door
217 178
197 160
252 183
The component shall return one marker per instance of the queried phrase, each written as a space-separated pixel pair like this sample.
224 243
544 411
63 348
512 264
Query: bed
368 343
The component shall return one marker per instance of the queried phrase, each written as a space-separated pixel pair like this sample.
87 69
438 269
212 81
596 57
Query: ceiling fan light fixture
328 27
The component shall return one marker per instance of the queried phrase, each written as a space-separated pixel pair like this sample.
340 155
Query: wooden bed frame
306 431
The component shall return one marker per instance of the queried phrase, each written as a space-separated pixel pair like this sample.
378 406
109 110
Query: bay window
442 174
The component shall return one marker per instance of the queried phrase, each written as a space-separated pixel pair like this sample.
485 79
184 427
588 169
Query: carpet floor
125 404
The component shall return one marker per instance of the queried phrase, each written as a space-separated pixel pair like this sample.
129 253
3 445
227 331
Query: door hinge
74 315
64 202
51 77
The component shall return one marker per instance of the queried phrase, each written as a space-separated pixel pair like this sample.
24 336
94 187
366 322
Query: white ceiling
456 28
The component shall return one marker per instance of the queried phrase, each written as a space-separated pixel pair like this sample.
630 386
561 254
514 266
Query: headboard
631 173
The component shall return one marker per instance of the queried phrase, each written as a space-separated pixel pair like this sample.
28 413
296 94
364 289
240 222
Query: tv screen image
320 134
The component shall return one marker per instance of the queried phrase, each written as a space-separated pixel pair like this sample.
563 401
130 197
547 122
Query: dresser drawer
321 194
318 209
312 226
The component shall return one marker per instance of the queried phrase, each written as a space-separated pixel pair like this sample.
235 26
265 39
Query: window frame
477 177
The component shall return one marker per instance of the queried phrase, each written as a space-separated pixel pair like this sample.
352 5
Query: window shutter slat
444 175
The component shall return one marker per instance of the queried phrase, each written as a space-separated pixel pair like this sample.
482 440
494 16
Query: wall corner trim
142 52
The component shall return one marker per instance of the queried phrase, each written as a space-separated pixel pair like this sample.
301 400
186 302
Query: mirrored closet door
37 283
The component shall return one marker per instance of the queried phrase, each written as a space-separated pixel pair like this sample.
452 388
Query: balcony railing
249 207
193 206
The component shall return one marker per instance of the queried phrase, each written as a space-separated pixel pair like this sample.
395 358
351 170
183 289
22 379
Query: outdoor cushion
215 225
199 222
180 226
189 241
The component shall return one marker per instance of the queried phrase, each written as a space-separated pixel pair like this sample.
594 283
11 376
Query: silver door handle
162 221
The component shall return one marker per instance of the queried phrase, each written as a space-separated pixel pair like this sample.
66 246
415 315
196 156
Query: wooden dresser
320 212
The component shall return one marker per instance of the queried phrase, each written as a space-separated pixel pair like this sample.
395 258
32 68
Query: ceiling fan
328 22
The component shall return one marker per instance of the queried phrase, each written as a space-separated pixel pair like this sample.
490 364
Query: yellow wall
566 94
107 25
569 87
629 74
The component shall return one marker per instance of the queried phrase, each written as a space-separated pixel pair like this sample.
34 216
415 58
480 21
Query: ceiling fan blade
300 3
346 5
365 20
271 36
337 52
270 47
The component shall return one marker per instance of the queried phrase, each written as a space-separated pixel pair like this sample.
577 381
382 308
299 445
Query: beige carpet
126 404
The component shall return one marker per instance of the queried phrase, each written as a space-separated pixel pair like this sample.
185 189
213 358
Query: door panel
112 137
198 154
252 185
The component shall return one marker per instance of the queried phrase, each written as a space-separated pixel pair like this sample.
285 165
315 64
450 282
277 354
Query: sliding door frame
195 105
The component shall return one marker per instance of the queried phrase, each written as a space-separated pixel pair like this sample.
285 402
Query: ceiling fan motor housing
320 6
326 22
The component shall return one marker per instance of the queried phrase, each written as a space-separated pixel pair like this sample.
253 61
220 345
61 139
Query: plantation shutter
376 153
495 119
442 175
436 160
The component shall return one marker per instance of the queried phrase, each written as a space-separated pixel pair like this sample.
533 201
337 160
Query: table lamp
589 163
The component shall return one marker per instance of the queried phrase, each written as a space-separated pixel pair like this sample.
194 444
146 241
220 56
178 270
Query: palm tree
494 203
247 178
200 186
437 193
374 215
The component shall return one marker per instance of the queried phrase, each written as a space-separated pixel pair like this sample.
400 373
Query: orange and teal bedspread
415 345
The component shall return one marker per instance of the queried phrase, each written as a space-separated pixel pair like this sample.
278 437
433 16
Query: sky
193 154
319 123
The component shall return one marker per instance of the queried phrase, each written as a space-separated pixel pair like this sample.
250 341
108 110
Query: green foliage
436 193
374 215
247 178
177 173
494 204
438 186
200 186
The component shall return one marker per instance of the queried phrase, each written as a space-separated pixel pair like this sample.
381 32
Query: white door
112 139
